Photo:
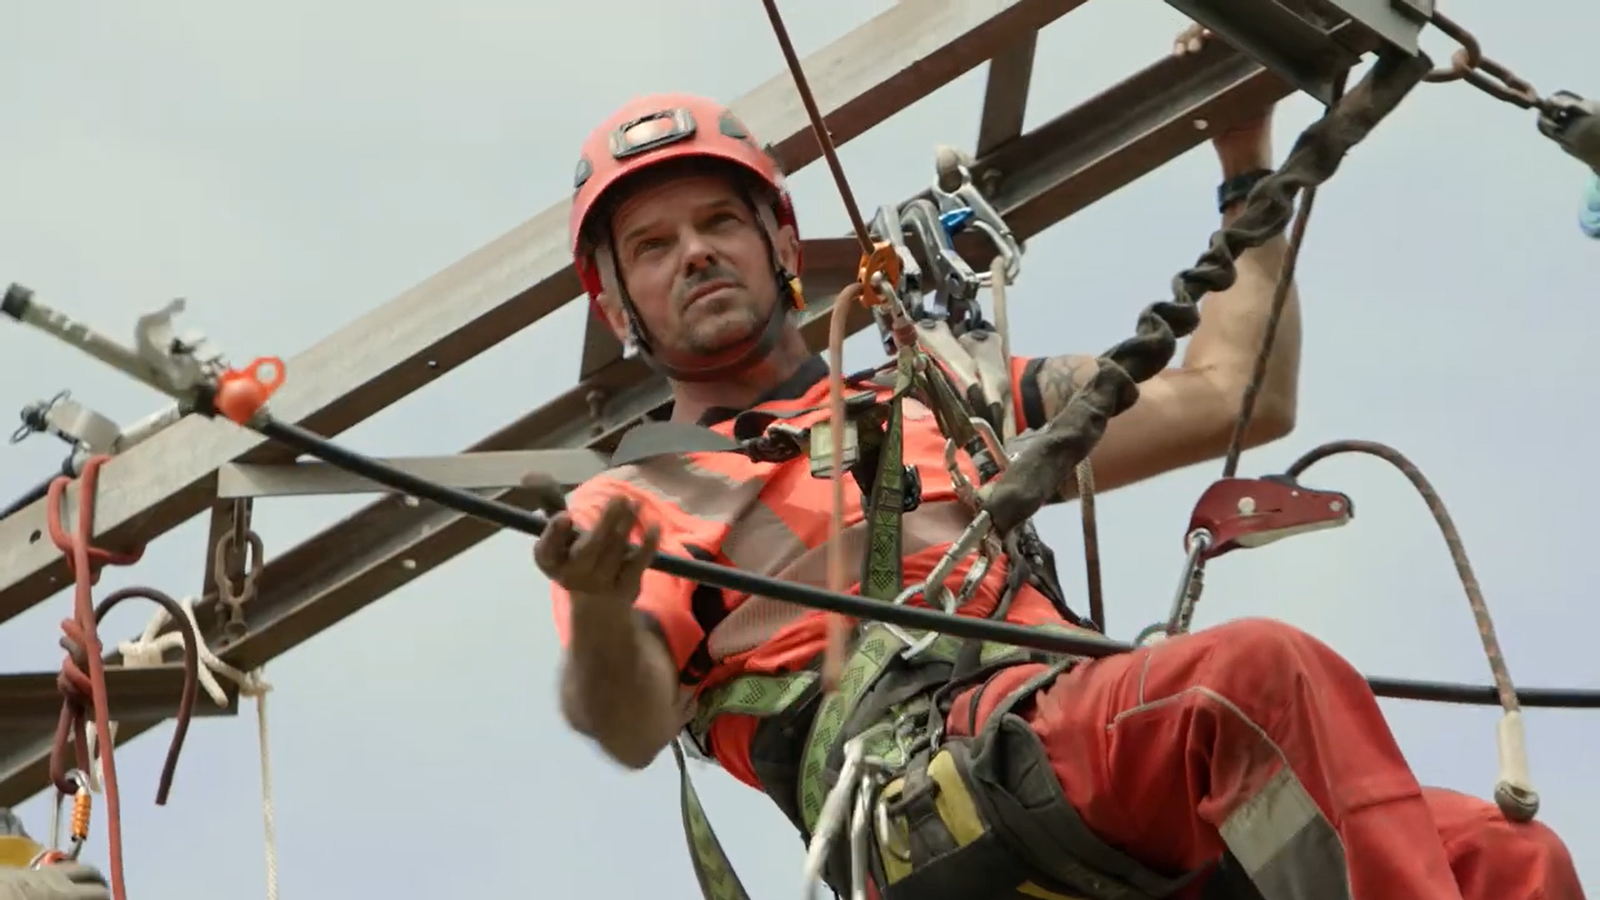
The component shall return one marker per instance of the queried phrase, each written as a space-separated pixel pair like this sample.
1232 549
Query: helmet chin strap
757 350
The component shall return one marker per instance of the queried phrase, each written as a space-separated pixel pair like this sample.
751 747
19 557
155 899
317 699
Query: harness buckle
828 456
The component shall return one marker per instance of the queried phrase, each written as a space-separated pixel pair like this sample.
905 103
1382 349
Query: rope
1513 794
838 627
149 648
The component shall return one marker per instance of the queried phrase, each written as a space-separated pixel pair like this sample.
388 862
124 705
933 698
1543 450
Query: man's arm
619 686
1185 415
628 631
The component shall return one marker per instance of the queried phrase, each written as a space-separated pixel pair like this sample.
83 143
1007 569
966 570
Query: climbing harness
882 796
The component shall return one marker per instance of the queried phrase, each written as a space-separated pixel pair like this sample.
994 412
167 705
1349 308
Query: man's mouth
706 290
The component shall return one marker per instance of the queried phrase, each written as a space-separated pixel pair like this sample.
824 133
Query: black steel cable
915 617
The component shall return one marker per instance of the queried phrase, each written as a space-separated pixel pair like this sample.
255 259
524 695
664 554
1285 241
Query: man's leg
1255 736
1494 859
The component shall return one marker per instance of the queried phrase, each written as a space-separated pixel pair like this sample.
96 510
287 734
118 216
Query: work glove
62 881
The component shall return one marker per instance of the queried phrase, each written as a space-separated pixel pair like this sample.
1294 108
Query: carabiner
82 804
887 227
955 285
984 217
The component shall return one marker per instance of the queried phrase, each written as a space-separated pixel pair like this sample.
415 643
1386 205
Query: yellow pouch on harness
17 851
931 839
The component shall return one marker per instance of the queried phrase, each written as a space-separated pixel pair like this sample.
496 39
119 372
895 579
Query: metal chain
1040 469
227 559
1470 65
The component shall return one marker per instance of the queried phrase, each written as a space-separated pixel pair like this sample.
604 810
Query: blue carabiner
956 220
1589 215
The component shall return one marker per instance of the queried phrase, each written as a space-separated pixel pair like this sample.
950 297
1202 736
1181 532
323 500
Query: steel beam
147 693
1005 95
1063 166
490 470
1309 42
861 79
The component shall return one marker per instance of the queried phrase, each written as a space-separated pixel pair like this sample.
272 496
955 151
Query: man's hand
619 684
1248 144
602 568
63 881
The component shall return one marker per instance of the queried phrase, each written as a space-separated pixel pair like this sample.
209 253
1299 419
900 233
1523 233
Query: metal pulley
1574 124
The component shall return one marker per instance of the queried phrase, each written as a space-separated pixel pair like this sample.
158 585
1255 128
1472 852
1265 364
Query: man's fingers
601 551
613 553
550 551
638 559
1191 40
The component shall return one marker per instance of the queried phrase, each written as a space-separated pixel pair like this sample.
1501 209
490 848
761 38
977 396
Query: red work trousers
1258 738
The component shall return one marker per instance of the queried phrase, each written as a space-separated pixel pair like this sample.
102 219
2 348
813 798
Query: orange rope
838 626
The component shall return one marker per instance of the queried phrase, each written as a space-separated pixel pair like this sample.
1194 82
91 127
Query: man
1250 742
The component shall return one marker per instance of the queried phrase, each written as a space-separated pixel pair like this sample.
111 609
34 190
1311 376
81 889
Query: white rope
147 649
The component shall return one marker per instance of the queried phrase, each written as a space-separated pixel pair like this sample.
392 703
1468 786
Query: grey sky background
288 167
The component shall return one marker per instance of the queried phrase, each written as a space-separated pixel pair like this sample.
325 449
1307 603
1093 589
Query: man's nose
697 250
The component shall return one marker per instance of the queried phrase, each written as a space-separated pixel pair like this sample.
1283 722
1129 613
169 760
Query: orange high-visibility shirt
772 518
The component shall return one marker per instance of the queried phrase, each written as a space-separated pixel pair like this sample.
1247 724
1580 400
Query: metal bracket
497 470
142 694
1309 42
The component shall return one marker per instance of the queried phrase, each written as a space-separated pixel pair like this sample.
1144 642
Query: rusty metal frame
895 59
1039 178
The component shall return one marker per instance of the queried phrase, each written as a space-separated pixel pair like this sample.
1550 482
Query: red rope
83 692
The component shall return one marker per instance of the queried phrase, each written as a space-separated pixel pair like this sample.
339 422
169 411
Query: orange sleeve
666 602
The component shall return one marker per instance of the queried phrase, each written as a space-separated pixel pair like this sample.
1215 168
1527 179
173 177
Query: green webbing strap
876 647
881 575
712 868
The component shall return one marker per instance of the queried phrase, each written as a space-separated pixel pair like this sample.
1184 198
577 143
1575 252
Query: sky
289 166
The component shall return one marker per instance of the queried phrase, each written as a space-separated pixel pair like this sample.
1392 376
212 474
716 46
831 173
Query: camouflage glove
63 881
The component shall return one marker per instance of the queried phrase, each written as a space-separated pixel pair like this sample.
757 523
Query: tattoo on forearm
1060 377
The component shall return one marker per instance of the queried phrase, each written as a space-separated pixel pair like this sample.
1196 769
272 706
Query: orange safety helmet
648 131
661 128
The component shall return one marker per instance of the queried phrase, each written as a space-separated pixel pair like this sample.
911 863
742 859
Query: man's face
691 254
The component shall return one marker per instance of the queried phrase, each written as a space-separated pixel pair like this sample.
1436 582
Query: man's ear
787 243
615 317
610 299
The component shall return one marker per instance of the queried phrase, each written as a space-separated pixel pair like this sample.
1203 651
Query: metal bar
1005 95
1122 134
493 470
1309 42
1063 166
145 693
863 78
